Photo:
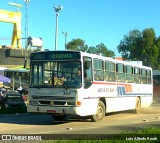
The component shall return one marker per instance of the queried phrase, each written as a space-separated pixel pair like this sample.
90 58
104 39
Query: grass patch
150 134
148 130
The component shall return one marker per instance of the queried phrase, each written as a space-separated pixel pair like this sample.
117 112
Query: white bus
104 85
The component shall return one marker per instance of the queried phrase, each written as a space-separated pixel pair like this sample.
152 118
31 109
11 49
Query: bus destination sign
64 56
55 55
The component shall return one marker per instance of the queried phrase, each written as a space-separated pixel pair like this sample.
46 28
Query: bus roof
132 63
135 63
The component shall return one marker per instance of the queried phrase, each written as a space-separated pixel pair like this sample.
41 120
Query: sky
94 21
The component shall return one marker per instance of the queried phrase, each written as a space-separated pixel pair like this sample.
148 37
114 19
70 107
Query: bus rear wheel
59 117
100 112
138 105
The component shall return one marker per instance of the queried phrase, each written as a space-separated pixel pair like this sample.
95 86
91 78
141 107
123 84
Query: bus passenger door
37 74
87 67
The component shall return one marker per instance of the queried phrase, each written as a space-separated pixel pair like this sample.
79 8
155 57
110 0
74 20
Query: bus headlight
71 103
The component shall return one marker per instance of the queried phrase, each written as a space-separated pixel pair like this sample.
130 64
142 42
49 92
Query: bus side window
149 77
137 75
109 71
144 76
87 61
98 70
129 74
106 76
120 75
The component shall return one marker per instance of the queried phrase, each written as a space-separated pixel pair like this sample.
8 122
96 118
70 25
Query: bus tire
100 112
59 117
138 105
3 106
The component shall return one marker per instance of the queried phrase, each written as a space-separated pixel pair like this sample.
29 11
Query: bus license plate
51 111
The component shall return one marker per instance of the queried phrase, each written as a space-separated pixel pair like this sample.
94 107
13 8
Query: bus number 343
66 93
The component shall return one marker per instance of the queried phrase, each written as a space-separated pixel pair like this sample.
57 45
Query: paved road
112 124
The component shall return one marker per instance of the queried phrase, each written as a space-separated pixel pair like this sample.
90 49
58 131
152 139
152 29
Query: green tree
157 62
92 50
141 46
101 48
150 50
77 45
130 45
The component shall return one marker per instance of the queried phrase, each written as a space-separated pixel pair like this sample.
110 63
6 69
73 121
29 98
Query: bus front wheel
100 112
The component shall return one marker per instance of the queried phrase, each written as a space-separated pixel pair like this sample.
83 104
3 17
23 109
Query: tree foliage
101 48
79 45
136 46
141 46
130 45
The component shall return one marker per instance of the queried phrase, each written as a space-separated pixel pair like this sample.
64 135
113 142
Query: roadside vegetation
150 134
136 45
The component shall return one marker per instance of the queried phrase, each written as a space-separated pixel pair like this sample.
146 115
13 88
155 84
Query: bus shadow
120 112
37 119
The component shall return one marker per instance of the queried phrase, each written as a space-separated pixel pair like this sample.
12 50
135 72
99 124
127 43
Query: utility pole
26 23
65 43
57 9
26 33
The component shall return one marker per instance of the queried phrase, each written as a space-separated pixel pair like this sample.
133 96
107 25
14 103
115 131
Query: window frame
98 72
129 74
109 74
120 72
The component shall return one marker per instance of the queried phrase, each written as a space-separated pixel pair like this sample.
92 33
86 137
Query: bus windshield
57 74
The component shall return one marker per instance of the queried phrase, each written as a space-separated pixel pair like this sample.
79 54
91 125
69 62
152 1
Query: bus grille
55 100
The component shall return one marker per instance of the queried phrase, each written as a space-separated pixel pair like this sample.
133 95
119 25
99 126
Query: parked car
13 100
24 94
2 92
1 100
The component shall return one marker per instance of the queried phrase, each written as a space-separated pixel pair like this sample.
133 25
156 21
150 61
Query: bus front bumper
69 110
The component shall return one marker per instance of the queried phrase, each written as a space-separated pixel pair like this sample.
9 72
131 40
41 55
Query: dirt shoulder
154 108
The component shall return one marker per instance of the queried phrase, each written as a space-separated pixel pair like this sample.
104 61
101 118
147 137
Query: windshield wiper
65 86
